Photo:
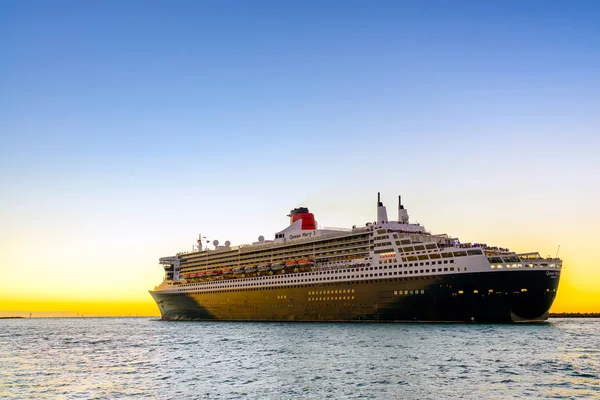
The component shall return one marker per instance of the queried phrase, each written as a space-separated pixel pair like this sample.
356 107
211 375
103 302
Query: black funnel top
298 210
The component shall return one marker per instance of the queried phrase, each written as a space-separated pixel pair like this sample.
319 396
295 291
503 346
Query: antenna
557 250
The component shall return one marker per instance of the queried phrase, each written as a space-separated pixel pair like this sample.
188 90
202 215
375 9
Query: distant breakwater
574 315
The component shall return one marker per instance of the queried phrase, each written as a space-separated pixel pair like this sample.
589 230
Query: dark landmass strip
9 317
574 315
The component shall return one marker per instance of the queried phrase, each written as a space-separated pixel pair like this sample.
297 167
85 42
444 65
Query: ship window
451 261
452 269
445 261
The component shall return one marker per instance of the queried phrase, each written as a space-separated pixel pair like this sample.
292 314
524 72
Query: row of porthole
340 291
330 298
256 285
408 292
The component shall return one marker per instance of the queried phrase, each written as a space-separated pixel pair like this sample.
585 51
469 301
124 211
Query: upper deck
377 241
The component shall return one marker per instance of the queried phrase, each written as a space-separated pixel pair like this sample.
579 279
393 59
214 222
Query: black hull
503 296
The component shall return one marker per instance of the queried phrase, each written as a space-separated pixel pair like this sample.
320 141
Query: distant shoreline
574 315
552 315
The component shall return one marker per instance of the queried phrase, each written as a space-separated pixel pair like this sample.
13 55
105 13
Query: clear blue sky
139 123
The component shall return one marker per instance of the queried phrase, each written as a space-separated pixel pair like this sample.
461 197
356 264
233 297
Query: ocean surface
128 358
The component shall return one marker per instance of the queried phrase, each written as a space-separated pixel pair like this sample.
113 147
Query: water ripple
130 358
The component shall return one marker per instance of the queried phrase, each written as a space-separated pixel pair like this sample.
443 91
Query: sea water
112 358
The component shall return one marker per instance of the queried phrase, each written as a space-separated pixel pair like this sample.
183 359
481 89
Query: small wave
381 382
585 375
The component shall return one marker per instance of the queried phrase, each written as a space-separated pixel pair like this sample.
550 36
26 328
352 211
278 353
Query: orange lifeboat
290 263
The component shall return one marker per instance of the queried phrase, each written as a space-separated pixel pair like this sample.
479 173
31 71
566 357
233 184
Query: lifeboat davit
277 267
263 267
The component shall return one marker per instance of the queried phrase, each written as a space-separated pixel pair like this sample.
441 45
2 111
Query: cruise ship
382 271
